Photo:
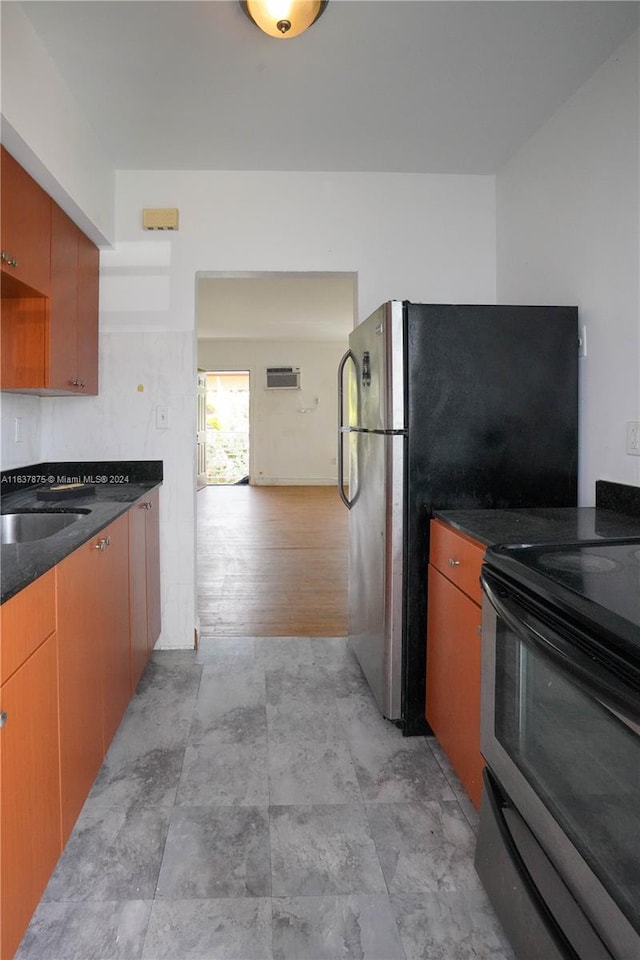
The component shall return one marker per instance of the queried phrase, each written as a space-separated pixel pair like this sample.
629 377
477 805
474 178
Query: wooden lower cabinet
65 682
137 593
453 679
454 620
114 635
144 581
30 830
152 567
95 677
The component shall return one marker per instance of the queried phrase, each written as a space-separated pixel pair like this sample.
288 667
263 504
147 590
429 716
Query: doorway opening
227 426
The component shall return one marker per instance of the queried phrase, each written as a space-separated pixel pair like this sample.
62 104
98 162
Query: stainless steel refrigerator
443 407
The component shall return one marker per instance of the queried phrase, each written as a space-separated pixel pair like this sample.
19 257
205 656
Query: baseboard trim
294 482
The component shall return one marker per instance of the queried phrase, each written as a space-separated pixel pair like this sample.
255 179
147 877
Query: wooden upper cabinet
73 309
63 305
49 322
25 229
88 295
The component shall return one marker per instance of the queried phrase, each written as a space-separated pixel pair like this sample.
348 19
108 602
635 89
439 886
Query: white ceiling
276 307
375 85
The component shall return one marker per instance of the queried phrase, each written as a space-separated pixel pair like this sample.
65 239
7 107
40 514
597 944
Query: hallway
272 561
254 805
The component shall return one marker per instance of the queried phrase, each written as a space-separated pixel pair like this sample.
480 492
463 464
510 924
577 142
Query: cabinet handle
77 383
8 259
13 262
4 256
453 563
3 718
107 541
147 505
101 544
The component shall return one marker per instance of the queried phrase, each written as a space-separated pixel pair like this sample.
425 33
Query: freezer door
376 377
376 564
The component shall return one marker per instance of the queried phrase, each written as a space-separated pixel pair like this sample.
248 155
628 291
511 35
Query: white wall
43 127
292 438
138 371
409 236
27 411
406 236
420 237
567 232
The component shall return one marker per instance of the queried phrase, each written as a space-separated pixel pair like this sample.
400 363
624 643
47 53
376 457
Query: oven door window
579 757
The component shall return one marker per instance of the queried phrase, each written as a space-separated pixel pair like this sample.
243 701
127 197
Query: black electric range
596 582
558 849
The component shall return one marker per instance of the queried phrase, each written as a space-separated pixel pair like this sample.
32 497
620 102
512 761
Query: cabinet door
152 555
138 592
80 677
30 836
63 302
453 679
23 334
26 224
87 334
95 674
112 605
457 557
26 620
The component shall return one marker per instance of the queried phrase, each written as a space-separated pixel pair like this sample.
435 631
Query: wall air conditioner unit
283 378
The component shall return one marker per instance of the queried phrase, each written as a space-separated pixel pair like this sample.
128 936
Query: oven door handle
616 696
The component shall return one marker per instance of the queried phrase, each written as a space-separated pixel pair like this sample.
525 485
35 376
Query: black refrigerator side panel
492 396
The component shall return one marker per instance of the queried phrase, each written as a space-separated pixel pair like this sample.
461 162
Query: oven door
560 734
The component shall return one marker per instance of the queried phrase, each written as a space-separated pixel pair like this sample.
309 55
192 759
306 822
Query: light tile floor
254 805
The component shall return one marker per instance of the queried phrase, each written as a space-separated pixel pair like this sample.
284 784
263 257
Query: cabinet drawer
26 620
457 557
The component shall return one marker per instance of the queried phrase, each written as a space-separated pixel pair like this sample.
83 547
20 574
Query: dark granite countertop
541 525
616 514
117 486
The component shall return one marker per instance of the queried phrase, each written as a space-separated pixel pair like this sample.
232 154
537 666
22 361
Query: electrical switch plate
633 438
162 417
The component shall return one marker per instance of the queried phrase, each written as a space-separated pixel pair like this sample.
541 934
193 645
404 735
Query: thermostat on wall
154 218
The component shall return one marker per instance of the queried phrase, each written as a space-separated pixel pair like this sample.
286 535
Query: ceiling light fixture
283 18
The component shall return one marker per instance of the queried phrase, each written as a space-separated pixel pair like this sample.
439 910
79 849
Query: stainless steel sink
24 527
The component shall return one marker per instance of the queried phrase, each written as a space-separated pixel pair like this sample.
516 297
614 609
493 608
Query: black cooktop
596 581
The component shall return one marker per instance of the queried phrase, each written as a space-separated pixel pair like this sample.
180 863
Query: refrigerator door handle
341 427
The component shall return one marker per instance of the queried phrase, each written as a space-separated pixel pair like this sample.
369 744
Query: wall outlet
633 438
18 430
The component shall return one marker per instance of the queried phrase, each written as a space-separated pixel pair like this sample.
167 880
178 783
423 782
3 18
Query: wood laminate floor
272 562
